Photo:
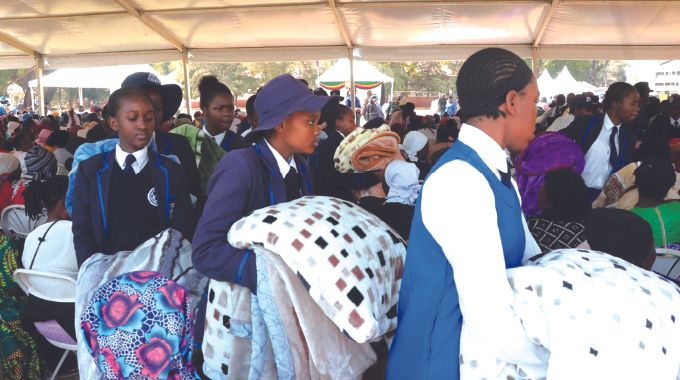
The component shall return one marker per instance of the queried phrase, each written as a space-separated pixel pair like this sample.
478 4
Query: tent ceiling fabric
105 32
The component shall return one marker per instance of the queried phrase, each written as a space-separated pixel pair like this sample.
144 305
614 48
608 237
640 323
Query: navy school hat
170 93
281 97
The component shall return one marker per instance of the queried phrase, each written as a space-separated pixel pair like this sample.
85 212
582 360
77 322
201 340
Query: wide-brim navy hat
170 93
281 97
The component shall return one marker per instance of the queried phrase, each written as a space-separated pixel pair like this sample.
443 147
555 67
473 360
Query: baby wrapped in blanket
591 315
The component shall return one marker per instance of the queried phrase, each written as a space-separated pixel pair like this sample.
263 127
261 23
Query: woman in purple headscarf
545 153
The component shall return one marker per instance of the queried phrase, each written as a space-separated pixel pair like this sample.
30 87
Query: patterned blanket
167 253
328 276
592 316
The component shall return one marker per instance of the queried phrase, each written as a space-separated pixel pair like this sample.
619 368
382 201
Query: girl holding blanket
469 198
271 171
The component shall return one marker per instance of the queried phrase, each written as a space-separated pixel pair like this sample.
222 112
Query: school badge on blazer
152 197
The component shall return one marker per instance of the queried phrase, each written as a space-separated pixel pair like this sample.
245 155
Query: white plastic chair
17 224
52 287
667 262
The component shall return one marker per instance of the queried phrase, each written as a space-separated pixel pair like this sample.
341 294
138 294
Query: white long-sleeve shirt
458 209
597 168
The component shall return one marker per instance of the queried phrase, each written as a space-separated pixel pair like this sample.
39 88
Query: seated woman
49 248
653 179
401 180
19 357
564 204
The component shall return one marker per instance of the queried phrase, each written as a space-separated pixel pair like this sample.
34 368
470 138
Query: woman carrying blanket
468 198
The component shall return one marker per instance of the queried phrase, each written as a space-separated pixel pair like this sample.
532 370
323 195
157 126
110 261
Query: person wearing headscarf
653 178
43 135
402 188
139 325
19 357
415 150
468 199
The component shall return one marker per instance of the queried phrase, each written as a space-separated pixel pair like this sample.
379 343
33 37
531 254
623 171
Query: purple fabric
545 153
52 331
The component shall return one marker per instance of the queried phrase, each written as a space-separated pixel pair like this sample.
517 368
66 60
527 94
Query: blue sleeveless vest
427 340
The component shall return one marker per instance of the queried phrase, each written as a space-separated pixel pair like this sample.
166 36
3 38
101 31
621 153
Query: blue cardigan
243 181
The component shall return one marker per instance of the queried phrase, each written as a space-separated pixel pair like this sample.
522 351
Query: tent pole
39 64
392 91
353 93
187 86
534 60
80 96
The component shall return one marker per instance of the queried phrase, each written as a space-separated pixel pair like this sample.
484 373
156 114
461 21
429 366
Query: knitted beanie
40 161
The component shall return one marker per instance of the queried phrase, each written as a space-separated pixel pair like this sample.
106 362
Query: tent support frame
39 65
353 92
187 85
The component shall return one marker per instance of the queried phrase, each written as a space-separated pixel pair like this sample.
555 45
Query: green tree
235 75
596 72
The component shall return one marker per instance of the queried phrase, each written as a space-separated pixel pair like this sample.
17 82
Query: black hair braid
44 194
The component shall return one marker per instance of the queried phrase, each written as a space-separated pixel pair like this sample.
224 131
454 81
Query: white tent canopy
108 77
363 72
564 83
107 32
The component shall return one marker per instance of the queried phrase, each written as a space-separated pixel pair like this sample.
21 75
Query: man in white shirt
470 201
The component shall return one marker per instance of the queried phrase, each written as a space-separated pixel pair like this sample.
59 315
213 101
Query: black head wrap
619 233
485 79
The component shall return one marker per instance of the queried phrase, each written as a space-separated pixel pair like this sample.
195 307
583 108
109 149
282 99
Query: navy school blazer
91 197
173 144
584 131
243 181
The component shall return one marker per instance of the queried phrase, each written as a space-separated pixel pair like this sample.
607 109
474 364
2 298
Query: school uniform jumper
108 213
244 180
439 271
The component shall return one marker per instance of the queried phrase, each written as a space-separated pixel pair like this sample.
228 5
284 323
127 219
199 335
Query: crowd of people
481 186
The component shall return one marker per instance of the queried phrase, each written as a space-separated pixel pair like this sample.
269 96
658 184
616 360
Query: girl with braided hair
469 198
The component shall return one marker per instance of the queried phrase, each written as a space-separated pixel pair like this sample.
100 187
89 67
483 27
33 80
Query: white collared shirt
673 121
284 166
218 137
597 169
141 158
458 209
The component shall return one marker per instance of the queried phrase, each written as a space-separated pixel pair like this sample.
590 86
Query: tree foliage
597 73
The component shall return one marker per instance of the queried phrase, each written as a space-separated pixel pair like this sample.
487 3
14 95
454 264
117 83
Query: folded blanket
167 253
367 150
350 260
279 334
592 316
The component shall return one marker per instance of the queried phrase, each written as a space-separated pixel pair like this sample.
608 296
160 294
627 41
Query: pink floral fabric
139 325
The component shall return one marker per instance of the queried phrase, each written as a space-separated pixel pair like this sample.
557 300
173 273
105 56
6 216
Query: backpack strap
40 241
